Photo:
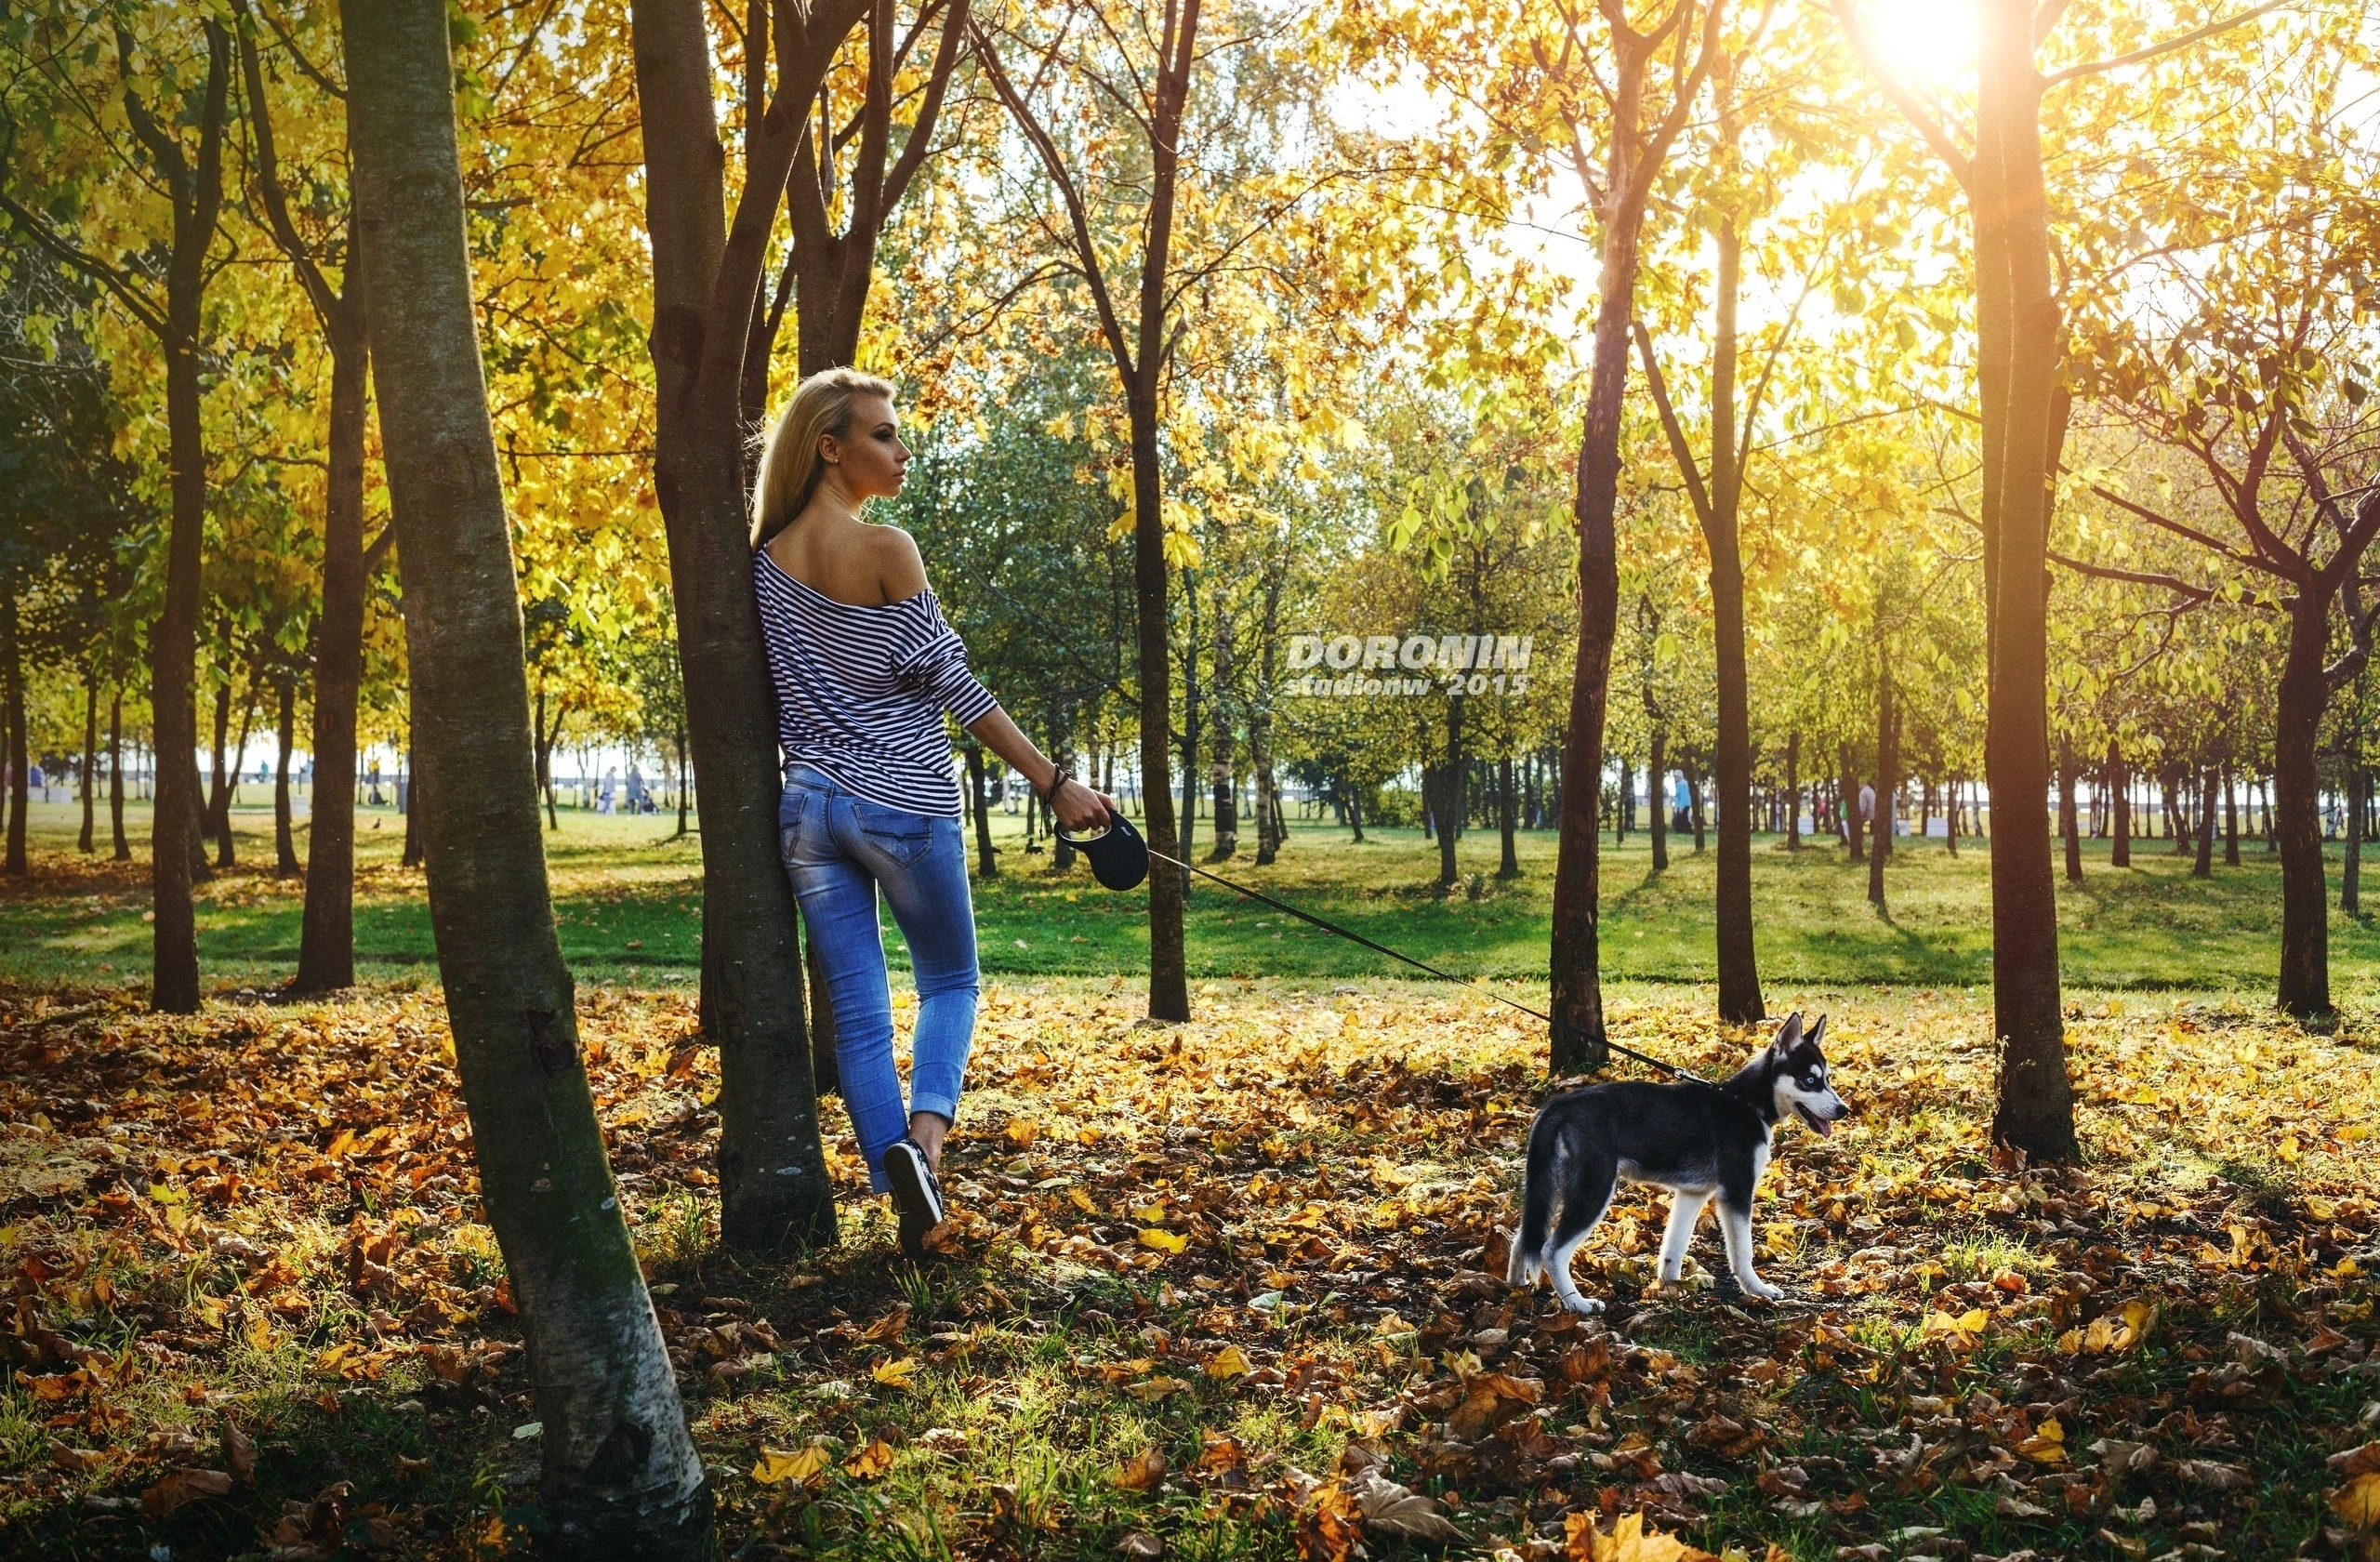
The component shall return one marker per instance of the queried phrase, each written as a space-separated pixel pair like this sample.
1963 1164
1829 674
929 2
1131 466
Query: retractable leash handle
1119 858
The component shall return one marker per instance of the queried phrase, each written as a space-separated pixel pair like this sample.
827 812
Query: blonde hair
789 465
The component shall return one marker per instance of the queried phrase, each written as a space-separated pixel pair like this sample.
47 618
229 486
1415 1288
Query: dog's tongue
1820 1124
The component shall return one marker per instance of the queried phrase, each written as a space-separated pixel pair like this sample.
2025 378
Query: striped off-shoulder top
861 689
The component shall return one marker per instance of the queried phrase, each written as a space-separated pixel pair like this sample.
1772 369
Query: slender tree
123 852
326 937
1619 189
621 1477
1138 330
179 147
706 276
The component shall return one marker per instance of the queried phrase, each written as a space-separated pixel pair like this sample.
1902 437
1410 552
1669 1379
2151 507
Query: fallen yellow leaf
807 1466
896 1374
2358 1503
1228 1362
870 1462
1629 1541
1164 1241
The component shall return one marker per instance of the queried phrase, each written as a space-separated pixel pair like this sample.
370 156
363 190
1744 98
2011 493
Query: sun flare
1924 40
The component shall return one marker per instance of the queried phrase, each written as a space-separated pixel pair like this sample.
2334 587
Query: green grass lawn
626 899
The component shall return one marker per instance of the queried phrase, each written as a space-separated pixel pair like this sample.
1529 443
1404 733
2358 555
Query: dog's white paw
1763 1290
1586 1306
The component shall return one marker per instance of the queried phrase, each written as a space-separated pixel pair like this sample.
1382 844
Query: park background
1725 356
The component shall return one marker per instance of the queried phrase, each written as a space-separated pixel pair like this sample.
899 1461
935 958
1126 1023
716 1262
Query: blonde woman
864 665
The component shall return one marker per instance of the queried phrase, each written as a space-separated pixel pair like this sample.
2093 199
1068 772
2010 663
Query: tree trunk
543 736
115 777
1656 779
1272 829
326 942
1507 811
285 843
409 788
12 717
1849 825
2204 866
200 872
1887 785
86 841
2067 820
1061 751
2119 795
685 778
219 801
986 860
2350 868
1220 743
1578 1041
1740 997
2232 817
1191 731
1445 796
1793 795
620 1474
2023 420
773 1189
1695 810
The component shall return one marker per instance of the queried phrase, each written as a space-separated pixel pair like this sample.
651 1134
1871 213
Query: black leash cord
1668 1069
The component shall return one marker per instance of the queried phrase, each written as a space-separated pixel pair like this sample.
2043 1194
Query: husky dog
1691 1137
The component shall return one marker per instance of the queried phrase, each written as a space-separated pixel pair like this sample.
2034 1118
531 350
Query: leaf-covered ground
1229 1289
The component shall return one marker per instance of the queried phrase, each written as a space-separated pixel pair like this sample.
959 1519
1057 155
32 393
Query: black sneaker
917 1196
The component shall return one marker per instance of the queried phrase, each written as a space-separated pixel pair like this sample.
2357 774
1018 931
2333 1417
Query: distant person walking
864 665
608 795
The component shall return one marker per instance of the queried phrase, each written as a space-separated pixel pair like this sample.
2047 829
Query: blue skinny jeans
837 848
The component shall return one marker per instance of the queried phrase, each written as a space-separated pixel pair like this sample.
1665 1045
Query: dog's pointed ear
1817 1031
1788 1035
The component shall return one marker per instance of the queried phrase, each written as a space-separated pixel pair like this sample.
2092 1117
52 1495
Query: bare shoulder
900 567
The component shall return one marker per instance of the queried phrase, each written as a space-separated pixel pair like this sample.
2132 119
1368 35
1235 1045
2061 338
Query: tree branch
1689 467
945 65
99 270
1046 149
276 200
2137 578
2192 534
2072 73
1961 166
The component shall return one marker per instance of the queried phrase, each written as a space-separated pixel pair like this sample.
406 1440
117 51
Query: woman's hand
1080 808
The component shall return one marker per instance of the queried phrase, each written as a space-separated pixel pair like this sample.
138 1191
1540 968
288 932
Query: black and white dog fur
1694 1138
